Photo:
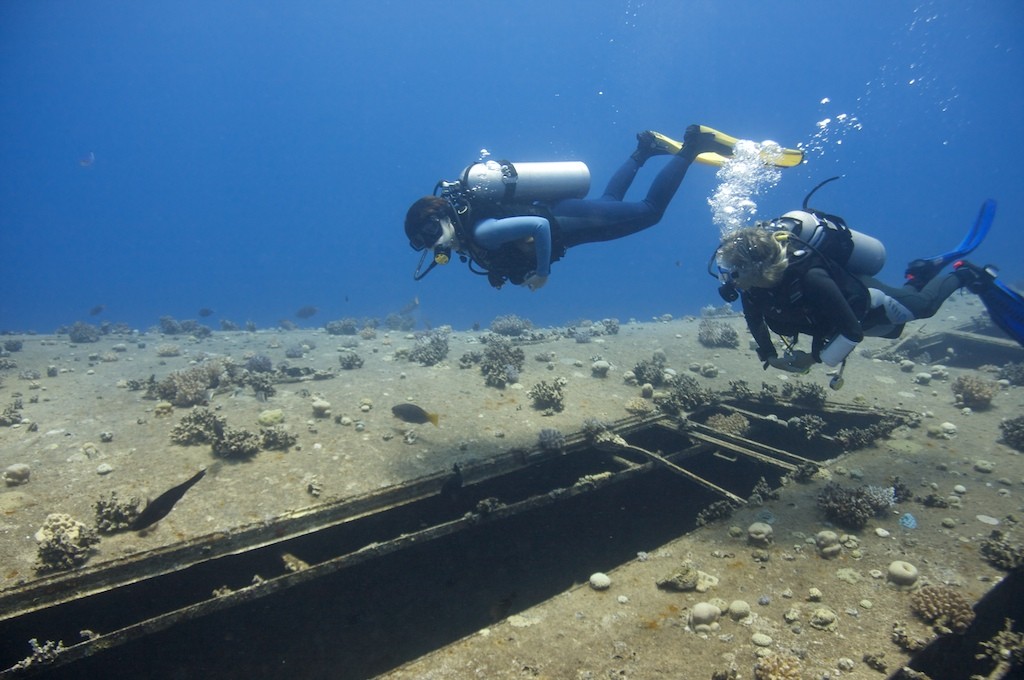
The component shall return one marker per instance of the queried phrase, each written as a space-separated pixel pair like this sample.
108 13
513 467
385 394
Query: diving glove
534 281
796 361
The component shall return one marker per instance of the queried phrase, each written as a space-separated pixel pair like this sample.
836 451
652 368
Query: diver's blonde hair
757 258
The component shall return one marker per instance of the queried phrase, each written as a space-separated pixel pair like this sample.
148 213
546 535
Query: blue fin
975 236
920 272
1006 307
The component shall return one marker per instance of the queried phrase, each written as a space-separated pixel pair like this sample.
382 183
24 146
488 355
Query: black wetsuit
825 302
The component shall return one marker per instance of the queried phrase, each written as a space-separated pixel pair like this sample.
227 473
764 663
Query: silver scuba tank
867 256
507 182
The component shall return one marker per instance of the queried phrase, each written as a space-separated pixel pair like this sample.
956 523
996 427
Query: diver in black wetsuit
792 288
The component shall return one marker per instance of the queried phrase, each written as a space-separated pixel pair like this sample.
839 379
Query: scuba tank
507 182
859 253
823 234
829 235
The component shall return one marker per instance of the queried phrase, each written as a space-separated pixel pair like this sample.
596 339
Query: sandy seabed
633 629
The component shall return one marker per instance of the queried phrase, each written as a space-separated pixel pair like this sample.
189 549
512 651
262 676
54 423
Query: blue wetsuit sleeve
494 233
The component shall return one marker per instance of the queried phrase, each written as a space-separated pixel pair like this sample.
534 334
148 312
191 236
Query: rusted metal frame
265 587
60 588
768 454
619 444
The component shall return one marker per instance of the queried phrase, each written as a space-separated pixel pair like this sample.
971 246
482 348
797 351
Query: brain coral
733 423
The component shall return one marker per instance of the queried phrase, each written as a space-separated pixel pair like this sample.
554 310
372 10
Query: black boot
650 143
920 272
975 279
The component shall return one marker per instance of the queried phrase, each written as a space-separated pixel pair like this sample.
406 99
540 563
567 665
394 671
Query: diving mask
725 275
429 232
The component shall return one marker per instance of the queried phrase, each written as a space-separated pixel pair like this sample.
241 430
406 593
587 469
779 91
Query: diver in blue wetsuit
511 221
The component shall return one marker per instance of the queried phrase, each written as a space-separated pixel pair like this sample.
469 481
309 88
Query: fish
410 306
411 413
306 312
205 312
98 309
157 509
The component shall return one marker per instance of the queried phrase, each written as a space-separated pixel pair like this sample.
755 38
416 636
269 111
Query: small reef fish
411 413
306 312
410 306
98 309
157 509
205 312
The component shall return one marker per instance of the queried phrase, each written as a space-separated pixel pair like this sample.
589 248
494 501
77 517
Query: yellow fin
788 158
433 417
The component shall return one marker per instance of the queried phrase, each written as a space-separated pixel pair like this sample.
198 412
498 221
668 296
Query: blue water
257 157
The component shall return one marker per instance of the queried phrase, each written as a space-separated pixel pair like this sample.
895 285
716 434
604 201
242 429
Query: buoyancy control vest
818 239
499 189
786 308
512 261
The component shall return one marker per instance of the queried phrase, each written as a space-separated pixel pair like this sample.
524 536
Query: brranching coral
431 348
64 543
685 394
187 387
510 325
551 439
1013 432
502 362
944 607
1002 551
777 667
548 396
974 392
852 508
717 334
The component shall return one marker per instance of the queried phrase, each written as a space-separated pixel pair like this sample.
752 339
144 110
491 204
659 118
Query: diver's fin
1004 304
920 272
780 157
784 158
1006 307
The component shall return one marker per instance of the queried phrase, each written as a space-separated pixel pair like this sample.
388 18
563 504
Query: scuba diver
808 272
511 221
